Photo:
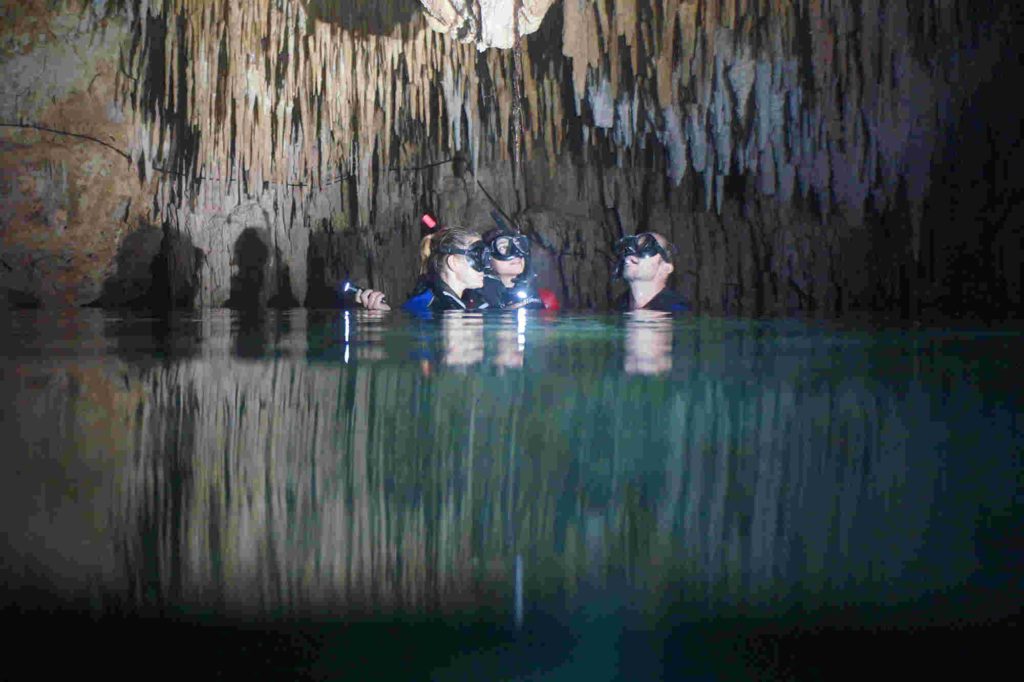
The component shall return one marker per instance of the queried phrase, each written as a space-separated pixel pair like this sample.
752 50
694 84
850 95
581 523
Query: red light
428 221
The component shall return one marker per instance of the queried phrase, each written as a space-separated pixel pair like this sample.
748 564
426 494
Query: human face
642 268
506 269
509 245
468 264
470 276
643 258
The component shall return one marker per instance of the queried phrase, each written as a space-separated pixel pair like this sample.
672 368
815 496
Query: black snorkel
508 243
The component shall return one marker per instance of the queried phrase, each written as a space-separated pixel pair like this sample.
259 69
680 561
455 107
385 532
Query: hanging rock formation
789 148
486 23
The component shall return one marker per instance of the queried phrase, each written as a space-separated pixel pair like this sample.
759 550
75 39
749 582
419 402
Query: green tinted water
643 472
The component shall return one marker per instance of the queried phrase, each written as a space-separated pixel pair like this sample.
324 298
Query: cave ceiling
314 110
841 101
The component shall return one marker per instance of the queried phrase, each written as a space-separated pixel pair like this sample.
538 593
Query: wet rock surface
805 157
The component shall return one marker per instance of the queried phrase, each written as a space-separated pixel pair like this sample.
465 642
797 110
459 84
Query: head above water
456 256
510 252
506 244
644 257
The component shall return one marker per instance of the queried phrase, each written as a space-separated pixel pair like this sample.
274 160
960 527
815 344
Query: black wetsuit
494 295
434 295
666 300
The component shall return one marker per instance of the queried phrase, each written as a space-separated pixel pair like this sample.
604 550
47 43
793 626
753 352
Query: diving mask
509 245
643 245
478 255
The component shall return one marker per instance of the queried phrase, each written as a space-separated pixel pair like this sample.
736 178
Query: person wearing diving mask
645 262
510 283
455 260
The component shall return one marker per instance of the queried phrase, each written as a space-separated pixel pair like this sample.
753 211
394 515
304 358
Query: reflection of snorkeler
510 341
648 342
463 338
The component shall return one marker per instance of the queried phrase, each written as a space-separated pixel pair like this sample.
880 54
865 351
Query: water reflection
328 474
462 336
510 340
648 343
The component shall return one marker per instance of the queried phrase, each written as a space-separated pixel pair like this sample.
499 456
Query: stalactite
826 99
296 116
486 23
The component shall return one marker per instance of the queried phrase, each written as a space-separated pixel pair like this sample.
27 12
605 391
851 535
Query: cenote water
330 495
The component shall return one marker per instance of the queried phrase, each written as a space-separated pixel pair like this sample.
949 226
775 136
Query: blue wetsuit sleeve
419 303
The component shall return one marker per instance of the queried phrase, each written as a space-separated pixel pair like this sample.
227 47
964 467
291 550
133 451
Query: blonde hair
434 248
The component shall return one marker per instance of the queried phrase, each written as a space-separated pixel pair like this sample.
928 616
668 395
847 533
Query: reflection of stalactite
304 486
780 463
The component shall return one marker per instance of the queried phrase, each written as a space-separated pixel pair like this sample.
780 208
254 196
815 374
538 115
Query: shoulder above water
666 300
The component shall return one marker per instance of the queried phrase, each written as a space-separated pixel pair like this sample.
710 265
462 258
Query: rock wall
69 194
218 154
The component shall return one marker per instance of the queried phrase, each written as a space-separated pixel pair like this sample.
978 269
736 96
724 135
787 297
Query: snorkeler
510 283
645 261
454 260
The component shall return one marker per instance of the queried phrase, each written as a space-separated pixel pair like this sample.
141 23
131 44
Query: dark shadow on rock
320 283
176 270
972 264
157 269
15 298
332 258
251 285
364 16
284 297
130 283
250 259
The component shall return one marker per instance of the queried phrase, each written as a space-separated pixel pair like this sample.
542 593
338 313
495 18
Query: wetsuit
496 296
433 295
666 300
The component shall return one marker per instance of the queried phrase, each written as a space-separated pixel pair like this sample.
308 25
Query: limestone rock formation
790 148
486 23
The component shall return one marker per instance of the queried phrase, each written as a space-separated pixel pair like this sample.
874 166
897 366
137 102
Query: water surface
510 496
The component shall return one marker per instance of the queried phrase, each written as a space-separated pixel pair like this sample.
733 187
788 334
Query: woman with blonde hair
451 261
